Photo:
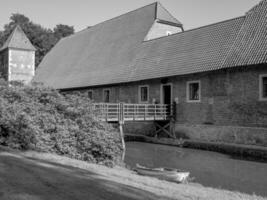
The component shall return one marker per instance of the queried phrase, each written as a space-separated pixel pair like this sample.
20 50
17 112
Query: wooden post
172 127
173 111
155 112
122 113
106 112
122 141
121 122
135 112
145 112
118 111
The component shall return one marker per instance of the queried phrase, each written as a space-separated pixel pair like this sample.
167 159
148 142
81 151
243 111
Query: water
208 168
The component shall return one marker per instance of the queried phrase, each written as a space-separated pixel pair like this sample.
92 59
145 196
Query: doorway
166 95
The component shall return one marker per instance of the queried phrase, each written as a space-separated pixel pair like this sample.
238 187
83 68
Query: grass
126 177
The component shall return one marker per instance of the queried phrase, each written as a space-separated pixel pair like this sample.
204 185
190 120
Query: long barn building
216 74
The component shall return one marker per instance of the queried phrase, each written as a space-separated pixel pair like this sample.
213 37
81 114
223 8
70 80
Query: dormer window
164 25
168 33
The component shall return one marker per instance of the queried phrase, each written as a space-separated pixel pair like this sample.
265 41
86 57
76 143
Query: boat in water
168 174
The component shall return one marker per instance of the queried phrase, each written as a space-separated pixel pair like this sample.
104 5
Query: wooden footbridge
161 114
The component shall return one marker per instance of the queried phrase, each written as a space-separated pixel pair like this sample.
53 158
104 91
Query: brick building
217 74
17 57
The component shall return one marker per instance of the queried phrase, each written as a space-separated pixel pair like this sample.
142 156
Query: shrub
38 118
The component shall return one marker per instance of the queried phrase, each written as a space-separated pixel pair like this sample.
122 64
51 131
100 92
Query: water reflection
208 168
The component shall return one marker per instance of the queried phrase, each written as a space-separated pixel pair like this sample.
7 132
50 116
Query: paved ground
28 179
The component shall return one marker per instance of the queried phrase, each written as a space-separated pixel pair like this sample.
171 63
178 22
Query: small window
263 87
193 91
168 33
106 95
143 94
90 94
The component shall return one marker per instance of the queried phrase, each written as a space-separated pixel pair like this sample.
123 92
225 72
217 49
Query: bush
38 118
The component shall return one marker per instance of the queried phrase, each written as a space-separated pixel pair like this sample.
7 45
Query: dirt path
43 176
23 178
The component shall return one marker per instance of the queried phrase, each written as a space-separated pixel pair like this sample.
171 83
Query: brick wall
227 134
229 103
227 97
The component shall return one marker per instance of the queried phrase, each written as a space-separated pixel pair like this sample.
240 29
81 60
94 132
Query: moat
207 168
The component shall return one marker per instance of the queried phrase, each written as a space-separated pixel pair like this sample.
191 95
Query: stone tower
17 57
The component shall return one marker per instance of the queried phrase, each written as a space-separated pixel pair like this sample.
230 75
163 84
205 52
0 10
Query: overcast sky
83 13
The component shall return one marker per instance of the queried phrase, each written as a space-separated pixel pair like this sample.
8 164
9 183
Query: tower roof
18 40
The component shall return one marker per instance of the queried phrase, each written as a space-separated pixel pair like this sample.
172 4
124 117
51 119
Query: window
106 95
143 94
193 91
168 33
90 94
263 87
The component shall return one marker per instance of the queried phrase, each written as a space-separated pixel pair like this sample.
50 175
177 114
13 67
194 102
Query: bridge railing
132 112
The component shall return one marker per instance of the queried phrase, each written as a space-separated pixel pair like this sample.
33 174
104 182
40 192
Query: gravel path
28 179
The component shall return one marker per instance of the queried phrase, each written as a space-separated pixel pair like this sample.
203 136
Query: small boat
168 174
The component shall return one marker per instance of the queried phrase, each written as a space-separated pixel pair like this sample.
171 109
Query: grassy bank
120 179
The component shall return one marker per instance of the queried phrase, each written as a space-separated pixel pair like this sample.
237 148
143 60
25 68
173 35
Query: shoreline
118 182
245 152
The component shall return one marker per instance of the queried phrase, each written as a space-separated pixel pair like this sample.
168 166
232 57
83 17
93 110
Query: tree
62 30
42 38
19 19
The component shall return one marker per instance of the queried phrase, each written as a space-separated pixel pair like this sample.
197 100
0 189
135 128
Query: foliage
43 39
62 30
37 118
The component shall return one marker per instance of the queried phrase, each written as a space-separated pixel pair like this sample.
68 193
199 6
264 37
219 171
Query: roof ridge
85 29
115 54
167 11
233 45
256 6
241 47
193 29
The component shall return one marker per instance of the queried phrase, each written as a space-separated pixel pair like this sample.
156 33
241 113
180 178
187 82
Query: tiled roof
198 50
250 47
102 54
18 40
114 51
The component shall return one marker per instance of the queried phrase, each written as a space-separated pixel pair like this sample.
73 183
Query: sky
84 13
